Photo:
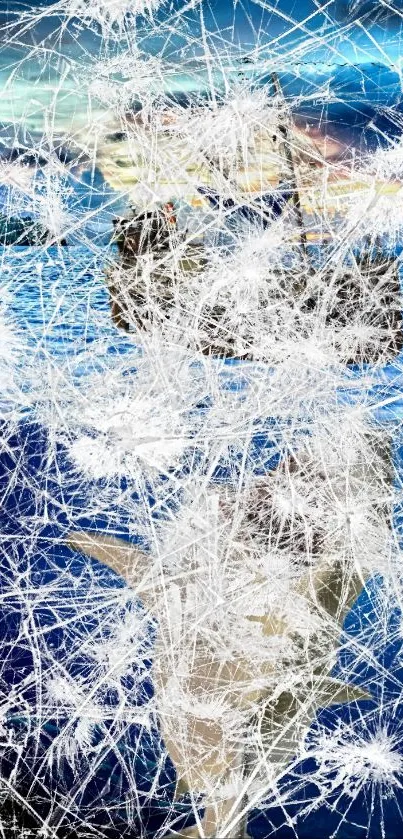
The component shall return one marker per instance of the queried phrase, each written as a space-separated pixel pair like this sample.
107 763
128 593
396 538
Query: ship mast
291 174
289 161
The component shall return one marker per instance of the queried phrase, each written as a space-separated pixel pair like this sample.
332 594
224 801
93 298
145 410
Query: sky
352 30
48 56
351 50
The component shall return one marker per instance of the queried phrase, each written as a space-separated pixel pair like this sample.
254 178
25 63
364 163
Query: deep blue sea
52 600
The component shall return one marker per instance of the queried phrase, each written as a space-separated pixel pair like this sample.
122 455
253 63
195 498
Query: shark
207 701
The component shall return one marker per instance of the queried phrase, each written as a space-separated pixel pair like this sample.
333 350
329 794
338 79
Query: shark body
206 753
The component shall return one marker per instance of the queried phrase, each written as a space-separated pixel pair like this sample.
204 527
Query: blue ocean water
53 600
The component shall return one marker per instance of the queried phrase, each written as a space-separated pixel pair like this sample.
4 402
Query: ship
366 281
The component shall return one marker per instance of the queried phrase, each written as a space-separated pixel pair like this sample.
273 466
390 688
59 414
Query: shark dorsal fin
329 691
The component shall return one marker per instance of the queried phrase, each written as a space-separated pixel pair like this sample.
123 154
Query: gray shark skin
204 754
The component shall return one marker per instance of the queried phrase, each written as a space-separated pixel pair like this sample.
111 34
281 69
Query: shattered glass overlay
200 471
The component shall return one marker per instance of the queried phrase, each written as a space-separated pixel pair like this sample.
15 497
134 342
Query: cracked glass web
200 435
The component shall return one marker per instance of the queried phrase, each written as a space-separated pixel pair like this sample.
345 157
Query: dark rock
24 231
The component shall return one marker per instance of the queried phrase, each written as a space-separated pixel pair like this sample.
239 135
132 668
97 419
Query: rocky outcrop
24 231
